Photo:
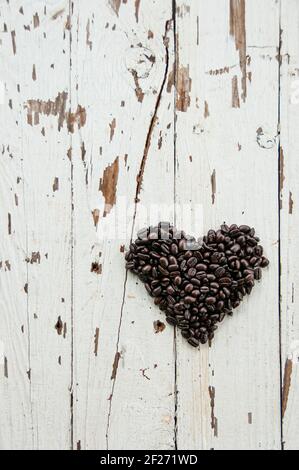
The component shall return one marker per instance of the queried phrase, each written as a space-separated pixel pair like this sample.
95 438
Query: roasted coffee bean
225 281
189 288
170 290
172 268
177 280
201 267
220 271
163 262
191 272
187 315
258 273
189 299
244 228
193 341
146 269
163 271
171 320
185 334
192 262
174 249
157 291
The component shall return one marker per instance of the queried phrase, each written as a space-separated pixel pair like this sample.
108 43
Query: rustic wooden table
112 105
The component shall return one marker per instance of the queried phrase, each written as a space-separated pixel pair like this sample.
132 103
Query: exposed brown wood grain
286 384
115 365
235 93
238 31
108 185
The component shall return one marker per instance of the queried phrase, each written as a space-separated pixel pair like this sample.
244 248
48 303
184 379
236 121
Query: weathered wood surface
121 113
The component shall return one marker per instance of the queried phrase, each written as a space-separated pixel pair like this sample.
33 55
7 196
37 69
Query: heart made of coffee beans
197 283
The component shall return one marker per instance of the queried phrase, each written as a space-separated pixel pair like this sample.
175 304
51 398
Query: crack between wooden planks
70 8
175 419
154 117
139 180
115 364
279 227
27 315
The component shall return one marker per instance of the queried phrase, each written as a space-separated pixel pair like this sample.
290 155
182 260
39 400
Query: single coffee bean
174 249
191 272
146 269
189 288
192 262
193 341
258 273
189 299
157 291
163 262
220 272
265 262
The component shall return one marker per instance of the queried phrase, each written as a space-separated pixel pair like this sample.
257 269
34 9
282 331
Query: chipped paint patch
35 257
291 203
112 126
5 367
138 90
206 112
96 341
35 20
9 223
214 423
235 93
78 117
264 140
286 384
238 31
96 268
55 185
159 326
59 326
57 14
88 41
96 216
33 73
220 71
183 86
115 5
137 6
115 365
213 185
108 185
13 41
54 107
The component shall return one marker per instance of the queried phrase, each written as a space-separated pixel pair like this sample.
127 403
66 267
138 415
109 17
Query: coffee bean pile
197 283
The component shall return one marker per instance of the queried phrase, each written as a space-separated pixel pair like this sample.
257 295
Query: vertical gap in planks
279 215
27 306
70 9
174 203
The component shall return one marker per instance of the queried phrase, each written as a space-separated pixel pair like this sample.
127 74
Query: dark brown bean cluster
197 283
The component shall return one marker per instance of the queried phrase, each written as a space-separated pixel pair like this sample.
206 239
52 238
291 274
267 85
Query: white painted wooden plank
229 394
123 371
289 168
36 192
